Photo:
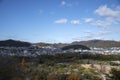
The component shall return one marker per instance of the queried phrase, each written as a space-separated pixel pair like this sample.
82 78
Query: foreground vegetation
68 66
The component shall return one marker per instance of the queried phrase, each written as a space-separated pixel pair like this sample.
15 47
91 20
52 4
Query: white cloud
98 34
87 32
88 20
61 21
108 17
98 37
106 32
63 3
89 35
101 23
104 11
113 15
76 22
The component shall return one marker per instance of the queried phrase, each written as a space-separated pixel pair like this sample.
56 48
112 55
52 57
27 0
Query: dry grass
101 68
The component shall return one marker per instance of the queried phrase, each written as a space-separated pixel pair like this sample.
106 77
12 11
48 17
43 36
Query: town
35 50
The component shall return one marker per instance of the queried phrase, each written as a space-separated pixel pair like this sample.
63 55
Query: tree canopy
82 47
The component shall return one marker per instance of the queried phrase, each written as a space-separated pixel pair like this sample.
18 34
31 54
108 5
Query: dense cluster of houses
34 51
112 50
28 51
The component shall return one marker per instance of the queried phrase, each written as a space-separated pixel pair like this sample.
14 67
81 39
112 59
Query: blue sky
57 21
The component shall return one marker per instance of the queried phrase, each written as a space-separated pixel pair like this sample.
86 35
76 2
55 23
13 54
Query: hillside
76 47
50 44
89 43
14 43
99 43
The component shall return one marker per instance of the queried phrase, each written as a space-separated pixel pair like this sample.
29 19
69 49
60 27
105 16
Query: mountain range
99 43
14 43
89 43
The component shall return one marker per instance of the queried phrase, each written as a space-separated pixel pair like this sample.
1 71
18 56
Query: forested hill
99 43
14 43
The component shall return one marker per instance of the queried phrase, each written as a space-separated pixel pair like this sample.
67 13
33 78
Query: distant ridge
89 43
14 43
99 43
50 44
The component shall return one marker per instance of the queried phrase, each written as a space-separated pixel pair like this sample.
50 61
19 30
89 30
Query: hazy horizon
59 21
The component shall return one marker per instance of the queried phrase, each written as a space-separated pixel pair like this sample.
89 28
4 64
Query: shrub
115 74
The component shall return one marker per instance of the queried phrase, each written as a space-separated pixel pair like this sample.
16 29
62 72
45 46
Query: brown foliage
23 63
73 76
